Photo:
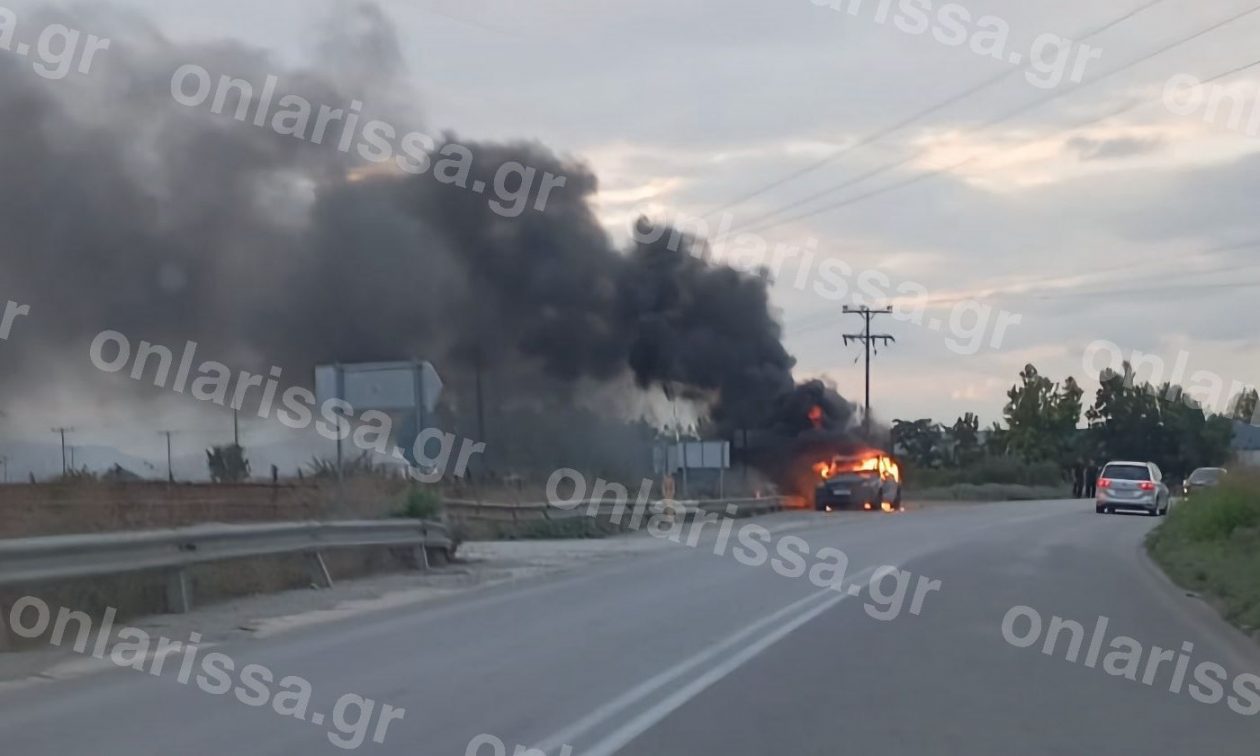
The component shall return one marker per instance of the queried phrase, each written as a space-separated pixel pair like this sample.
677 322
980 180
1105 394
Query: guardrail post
319 570
420 553
178 592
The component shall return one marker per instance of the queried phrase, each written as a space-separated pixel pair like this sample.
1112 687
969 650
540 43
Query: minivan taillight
1146 485
1104 483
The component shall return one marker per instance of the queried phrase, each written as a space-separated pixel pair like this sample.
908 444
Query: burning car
869 482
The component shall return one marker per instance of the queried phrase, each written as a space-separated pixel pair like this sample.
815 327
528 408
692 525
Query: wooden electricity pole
867 339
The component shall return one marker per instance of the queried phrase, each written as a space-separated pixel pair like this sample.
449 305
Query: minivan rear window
1126 472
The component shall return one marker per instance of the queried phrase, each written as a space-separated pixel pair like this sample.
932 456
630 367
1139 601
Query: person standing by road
1091 480
1078 479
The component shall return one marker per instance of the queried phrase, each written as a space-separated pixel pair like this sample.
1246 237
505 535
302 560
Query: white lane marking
655 683
649 718
651 685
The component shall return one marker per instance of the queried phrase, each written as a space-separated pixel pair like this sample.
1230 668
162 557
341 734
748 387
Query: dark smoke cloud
124 210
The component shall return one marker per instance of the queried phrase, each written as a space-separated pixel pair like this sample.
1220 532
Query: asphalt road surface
683 651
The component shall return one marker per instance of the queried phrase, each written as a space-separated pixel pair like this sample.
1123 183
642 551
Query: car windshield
1207 476
1126 472
856 474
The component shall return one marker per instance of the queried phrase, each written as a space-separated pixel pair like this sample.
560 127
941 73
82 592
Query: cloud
1111 149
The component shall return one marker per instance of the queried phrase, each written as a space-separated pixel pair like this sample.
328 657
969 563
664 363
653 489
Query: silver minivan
1137 486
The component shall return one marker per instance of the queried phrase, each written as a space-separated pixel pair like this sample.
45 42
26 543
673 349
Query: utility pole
481 401
63 432
170 469
867 338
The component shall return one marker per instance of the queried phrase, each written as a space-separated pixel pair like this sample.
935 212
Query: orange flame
878 462
816 416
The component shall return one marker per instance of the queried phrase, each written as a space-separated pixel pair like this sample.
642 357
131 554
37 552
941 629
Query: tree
1042 416
227 463
1137 421
1243 407
997 442
965 438
920 441
1125 419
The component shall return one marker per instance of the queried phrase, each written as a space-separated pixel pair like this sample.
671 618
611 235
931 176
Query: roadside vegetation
421 503
988 478
1211 545
1038 447
990 492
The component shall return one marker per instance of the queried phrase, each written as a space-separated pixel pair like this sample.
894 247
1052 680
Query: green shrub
421 504
1216 514
987 470
989 492
1211 544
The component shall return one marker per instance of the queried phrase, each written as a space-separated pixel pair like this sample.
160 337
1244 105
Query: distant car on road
1204 477
1132 486
870 483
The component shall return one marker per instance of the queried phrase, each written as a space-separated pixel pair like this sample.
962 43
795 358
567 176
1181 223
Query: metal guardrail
51 558
468 509
747 507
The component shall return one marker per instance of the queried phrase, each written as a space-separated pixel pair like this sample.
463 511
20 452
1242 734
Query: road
684 651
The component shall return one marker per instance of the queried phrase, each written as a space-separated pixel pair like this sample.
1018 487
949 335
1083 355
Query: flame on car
873 461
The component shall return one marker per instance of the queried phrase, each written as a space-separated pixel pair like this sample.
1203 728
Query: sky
1132 229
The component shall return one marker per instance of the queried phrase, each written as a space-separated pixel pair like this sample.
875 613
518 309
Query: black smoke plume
124 209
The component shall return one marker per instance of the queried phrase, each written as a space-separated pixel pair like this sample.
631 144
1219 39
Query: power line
813 322
875 136
1150 275
800 328
949 168
868 139
1153 289
987 124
